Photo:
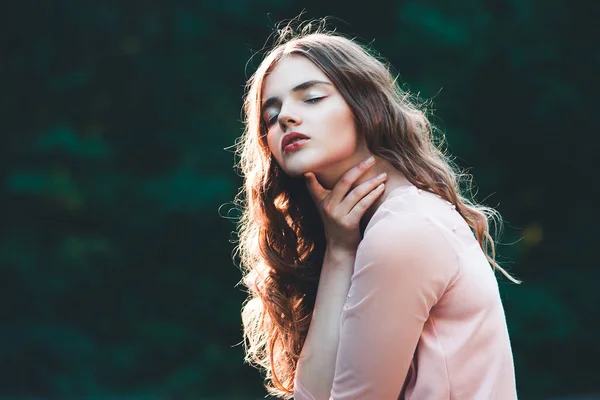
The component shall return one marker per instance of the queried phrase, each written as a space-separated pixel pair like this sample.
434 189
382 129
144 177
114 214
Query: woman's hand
341 213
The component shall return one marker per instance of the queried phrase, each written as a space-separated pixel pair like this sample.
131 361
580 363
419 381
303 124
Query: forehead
289 72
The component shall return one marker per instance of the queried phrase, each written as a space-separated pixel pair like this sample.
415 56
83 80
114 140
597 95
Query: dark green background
116 260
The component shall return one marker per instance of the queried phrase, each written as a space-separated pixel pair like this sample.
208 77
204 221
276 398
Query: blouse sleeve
403 265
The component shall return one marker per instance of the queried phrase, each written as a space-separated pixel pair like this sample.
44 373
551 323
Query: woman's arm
316 366
341 210
403 267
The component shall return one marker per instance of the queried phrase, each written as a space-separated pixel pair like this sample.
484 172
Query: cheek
345 146
272 143
343 128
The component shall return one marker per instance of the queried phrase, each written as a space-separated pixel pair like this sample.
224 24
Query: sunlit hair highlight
281 240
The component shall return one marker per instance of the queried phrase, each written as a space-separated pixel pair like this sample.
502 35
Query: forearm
316 367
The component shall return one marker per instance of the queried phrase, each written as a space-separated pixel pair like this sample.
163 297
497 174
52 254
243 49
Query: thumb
317 191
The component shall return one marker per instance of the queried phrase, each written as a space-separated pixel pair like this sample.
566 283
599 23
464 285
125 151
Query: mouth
294 145
293 140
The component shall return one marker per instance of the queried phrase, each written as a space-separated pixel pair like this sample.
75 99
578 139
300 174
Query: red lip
287 139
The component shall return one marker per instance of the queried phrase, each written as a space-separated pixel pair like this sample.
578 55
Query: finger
317 192
345 183
361 207
359 192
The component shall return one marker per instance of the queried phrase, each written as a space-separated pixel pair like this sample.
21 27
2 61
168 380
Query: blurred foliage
115 259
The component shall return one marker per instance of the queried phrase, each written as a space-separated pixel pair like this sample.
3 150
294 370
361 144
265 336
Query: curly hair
281 239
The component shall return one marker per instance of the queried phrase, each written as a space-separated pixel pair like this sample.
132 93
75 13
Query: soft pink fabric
423 308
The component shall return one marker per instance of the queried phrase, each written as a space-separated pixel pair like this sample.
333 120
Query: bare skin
342 213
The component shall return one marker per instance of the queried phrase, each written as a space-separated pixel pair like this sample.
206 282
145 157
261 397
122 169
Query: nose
288 118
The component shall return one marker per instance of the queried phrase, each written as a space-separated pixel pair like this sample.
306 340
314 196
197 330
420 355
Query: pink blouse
423 318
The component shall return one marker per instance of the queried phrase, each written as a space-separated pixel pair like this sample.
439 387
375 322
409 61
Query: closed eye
314 100
272 120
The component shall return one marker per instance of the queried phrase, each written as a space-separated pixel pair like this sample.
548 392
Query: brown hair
281 244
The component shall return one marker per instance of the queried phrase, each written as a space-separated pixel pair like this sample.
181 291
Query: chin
316 163
295 173
295 169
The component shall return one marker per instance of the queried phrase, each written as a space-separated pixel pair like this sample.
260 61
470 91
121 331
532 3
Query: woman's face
298 97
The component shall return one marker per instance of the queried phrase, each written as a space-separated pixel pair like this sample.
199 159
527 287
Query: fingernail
370 160
382 175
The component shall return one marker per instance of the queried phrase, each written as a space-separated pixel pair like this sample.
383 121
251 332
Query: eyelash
314 100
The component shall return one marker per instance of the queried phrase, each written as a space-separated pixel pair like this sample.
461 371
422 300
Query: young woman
368 271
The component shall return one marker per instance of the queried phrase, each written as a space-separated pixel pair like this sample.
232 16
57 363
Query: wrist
341 246
340 257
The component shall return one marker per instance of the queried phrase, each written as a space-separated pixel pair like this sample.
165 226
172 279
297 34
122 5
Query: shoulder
405 238
415 217
401 231
408 214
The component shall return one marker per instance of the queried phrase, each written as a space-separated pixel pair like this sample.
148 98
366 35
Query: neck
394 180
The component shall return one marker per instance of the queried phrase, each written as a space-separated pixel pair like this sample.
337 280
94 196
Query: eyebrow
271 100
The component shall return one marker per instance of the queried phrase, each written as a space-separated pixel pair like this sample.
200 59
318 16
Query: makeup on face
307 124
274 103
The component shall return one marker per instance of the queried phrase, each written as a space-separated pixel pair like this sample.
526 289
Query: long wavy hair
281 239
